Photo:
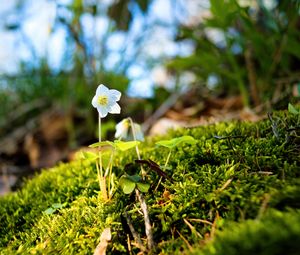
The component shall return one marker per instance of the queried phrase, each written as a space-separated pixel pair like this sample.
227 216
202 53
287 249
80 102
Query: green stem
165 166
98 174
109 175
99 151
136 147
102 178
134 138
167 160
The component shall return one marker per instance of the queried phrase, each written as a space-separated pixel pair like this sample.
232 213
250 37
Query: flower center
102 100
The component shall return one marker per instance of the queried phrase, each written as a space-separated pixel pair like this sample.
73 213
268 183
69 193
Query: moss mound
236 191
276 233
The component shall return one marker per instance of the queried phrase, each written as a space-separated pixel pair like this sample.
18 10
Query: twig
129 245
140 197
225 185
264 206
135 235
214 225
148 227
202 221
185 240
192 228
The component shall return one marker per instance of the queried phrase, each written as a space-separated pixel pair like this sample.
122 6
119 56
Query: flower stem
98 173
101 178
136 147
100 152
134 138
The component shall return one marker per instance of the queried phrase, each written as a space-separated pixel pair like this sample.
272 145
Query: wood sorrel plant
136 182
171 144
112 148
105 100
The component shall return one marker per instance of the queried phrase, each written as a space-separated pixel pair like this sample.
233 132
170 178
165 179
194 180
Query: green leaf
120 145
89 155
143 187
127 184
135 178
124 146
176 141
293 110
104 143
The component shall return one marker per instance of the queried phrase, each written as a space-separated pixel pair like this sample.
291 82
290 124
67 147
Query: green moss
235 172
276 234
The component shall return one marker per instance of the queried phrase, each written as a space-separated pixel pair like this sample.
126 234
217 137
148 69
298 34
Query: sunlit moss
230 179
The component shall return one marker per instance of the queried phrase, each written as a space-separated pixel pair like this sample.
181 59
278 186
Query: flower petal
115 109
122 129
102 111
94 101
115 94
102 90
138 132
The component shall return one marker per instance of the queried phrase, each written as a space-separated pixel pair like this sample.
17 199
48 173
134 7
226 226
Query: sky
38 19
39 37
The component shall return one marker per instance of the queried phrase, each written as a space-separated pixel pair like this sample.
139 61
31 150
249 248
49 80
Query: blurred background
177 63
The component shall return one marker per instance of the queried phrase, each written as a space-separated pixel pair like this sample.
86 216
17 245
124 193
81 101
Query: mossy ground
236 191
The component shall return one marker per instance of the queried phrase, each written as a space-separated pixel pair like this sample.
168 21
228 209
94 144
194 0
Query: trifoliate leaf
127 184
143 187
89 155
124 146
135 178
103 143
175 141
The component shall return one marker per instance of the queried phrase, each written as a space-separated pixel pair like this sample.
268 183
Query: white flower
122 129
105 101
139 135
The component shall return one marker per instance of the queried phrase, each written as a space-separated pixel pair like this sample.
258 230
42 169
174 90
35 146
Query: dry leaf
104 240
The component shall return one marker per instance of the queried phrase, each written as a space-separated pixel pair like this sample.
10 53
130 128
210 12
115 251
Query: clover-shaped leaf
135 178
143 187
124 146
92 156
88 155
117 145
129 182
103 143
176 141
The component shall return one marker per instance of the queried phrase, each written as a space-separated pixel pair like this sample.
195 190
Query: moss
236 172
275 234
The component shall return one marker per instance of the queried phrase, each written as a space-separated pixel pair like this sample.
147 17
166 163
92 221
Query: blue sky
47 39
